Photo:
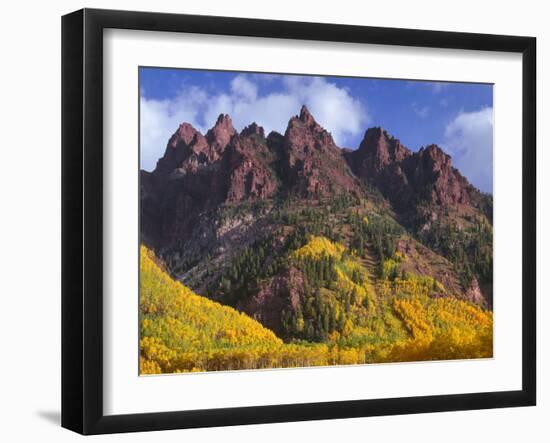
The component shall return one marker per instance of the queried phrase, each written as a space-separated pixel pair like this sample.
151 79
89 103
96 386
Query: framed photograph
269 221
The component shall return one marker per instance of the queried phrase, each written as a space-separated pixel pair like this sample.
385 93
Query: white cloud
160 119
469 140
333 107
244 88
421 111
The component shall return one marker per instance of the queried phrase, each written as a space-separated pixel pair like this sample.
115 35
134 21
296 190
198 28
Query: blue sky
456 116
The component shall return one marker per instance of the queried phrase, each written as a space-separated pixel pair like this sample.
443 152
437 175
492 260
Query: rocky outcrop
420 260
253 129
433 177
249 177
312 163
219 136
281 293
409 179
377 151
197 173
184 143
473 294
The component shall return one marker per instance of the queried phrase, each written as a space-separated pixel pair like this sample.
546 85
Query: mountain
235 217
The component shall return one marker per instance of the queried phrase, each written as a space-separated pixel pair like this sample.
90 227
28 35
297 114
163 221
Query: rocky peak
431 170
377 150
224 120
253 129
304 133
184 134
275 138
311 162
306 117
405 177
221 133
434 157
432 164
184 143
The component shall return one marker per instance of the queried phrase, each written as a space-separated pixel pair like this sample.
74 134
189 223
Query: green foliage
390 269
336 287
245 272
342 202
469 249
254 263
379 231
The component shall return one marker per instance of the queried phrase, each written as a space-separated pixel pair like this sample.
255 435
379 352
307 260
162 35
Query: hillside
181 331
323 245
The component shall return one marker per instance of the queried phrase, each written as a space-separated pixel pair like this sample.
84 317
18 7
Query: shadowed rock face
253 129
198 173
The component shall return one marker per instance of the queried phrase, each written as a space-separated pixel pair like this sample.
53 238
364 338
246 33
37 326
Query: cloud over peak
333 107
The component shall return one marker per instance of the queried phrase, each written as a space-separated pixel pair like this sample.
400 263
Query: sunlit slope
368 320
181 331
404 318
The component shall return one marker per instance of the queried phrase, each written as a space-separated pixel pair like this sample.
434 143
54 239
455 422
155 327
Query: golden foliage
318 247
442 329
390 321
181 331
348 269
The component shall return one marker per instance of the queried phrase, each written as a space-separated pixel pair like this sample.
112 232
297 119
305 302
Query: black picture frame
82 218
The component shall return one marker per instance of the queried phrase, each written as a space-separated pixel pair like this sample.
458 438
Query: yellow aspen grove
391 321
